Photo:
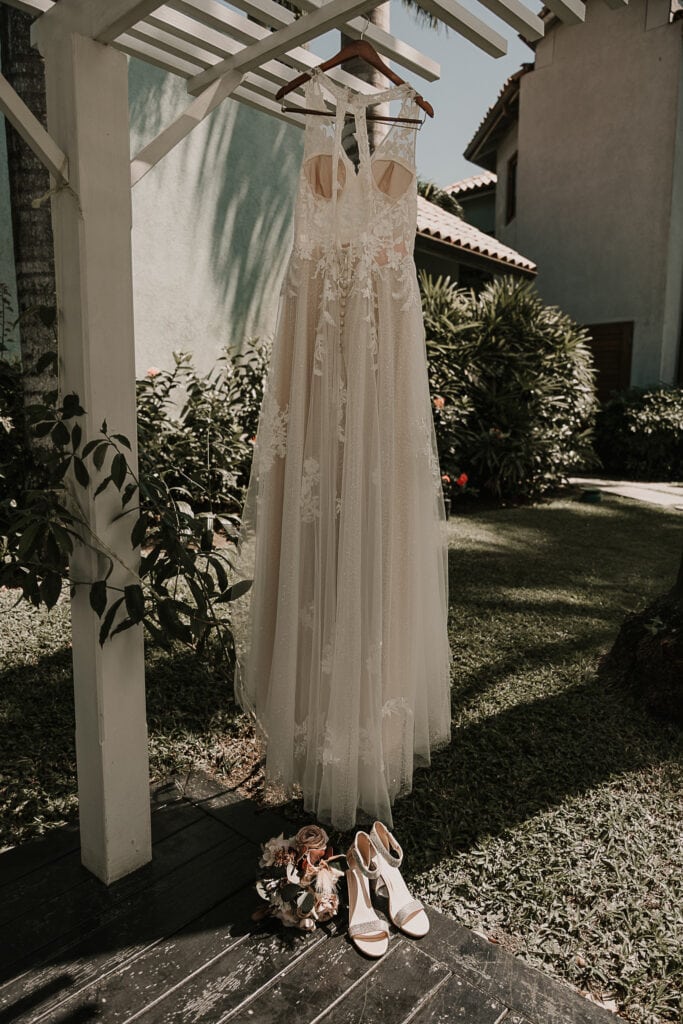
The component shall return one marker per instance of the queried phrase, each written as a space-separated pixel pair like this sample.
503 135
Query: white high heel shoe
406 913
368 933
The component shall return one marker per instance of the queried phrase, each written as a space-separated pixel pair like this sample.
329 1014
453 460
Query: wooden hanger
367 52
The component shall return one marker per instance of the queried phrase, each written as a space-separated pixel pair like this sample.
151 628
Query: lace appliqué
271 442
426 450
309 499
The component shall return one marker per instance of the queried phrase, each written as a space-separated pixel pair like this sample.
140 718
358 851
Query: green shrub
516 379
639 434
195 430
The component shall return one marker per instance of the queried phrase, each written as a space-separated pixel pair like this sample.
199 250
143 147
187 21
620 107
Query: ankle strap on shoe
385 844
364 862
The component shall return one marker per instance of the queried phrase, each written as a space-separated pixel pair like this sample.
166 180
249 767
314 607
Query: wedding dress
342 651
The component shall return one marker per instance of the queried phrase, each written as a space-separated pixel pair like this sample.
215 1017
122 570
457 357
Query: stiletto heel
367 932
406 913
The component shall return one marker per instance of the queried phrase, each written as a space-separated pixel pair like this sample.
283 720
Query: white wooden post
87 101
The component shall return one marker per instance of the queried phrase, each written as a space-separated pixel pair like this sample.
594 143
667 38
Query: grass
552 823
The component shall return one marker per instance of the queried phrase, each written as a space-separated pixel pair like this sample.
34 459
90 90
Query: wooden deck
174 942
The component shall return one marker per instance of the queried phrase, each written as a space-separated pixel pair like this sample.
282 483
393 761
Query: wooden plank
217 987
257 824
219 956
405 978
20 861
34 891
23 860
458 1000
307 990
141 922
501 976
82 909
33 133
298 32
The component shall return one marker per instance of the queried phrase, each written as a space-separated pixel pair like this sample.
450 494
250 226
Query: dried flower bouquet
299 879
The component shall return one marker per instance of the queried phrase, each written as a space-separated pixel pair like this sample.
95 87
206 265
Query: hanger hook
365 27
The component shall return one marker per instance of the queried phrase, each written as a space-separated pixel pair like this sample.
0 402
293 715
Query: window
511 189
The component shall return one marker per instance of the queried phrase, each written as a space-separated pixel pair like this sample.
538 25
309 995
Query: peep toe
406 913
367 932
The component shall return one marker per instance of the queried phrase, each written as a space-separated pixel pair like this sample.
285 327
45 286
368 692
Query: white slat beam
155 32
102 20
307 27
393 49
517 16
193 115
245 95
87 108
33 133
177 26
457 17
571 12
30 6
115 17
159 58
225 25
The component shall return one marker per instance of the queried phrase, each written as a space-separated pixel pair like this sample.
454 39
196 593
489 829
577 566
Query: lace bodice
371 211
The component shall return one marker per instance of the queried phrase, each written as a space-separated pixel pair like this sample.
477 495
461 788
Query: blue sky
470 81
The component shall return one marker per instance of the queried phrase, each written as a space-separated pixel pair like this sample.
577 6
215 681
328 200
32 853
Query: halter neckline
356 99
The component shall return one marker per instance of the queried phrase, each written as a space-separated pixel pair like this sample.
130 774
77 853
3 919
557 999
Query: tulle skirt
342 649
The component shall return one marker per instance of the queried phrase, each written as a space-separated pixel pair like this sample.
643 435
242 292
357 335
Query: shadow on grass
529 621
503 770
185 700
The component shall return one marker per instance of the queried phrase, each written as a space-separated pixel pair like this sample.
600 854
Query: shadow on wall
211 223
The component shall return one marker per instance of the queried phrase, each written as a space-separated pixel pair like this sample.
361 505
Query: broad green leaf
109 619
98 597
51 588
119 469
135 601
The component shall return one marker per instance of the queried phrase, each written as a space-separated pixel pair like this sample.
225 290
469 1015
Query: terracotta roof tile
472 184
437 223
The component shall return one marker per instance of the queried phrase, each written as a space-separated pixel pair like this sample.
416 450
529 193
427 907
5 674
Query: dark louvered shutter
611 345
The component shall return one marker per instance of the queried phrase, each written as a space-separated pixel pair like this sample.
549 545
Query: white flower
271 849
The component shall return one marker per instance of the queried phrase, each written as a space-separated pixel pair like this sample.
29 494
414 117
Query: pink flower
439 402
462 480
153 372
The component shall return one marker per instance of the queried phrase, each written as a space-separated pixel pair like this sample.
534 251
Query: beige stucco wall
211 224
600 204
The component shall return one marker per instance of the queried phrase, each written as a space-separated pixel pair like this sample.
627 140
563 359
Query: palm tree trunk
31 227
380 17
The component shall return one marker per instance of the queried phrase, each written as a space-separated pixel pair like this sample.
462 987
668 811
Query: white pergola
86 149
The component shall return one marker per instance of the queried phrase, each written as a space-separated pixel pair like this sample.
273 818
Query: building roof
436 223
475 183
481 149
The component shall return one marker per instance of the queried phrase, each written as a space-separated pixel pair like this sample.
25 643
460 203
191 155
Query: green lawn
553 823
